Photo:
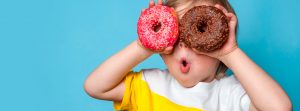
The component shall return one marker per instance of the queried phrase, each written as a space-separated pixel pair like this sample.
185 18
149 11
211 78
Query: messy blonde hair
181 6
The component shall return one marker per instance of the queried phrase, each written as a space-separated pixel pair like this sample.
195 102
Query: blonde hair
181 6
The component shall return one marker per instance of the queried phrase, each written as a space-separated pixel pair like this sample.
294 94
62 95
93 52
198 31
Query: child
199 86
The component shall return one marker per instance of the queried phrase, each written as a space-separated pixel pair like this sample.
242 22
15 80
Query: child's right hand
167 50
106 81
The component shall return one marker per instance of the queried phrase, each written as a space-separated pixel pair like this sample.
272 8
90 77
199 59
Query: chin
186 80
187 85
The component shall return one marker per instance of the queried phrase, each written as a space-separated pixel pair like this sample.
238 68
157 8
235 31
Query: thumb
168 50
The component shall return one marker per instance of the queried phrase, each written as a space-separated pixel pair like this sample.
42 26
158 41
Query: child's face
190 68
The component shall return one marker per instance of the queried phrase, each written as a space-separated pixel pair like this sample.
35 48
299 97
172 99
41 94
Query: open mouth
184 66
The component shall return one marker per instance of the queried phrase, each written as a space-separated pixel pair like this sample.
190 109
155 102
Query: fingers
159 2
232 23
232 18
228 14
167 50
232 28
143 10
151 3
221 8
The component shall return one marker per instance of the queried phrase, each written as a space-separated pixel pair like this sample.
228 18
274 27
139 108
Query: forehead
184 7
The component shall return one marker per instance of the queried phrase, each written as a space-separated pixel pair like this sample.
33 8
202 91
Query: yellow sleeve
131 81
139 97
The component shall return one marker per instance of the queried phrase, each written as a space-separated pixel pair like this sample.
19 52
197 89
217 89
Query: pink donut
158 28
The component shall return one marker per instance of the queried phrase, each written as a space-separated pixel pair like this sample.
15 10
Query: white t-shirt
225 94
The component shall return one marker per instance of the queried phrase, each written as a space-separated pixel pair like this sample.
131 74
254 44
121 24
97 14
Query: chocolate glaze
204 28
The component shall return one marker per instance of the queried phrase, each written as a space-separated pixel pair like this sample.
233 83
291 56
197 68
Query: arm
105 81
264 92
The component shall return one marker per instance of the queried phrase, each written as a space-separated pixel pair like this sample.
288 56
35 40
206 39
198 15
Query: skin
202 67
106 81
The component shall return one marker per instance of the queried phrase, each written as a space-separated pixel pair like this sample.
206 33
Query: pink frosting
166 35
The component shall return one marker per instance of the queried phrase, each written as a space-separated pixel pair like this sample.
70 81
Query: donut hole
156 27
202 26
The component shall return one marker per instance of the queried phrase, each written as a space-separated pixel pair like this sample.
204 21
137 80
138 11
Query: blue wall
48 47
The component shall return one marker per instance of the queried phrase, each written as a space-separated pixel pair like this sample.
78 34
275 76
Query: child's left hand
231 44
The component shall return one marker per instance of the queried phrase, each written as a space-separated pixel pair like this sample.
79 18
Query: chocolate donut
204 28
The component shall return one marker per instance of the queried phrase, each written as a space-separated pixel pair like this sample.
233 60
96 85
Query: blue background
48 47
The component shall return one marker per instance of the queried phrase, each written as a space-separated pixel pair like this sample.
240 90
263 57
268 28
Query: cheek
168 60
171 63
205 62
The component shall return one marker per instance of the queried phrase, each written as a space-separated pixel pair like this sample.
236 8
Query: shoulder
232 94
153 77
158 80
155 74
230 85
155 71
229 81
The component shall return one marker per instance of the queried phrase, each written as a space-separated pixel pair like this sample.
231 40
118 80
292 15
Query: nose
182 45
